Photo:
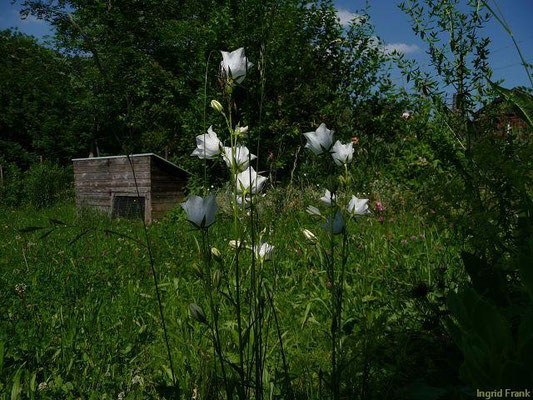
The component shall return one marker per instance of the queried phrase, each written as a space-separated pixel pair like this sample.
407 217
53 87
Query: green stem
215 331
236 233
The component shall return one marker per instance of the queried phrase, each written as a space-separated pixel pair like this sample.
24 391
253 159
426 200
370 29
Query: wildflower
271 156
240 158
216 254
263 251
379 206
215 105
320 140
207 145
404 241
234 65
413 238
381 219
240 130
336 225
249 181
354 140
201 211
310 235
121 396
329 285
42 386
20 288
234 244
313 210
422 236
407 114
328 198
358 206
342 153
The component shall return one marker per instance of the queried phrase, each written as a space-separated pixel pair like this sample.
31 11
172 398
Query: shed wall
98 180
167 189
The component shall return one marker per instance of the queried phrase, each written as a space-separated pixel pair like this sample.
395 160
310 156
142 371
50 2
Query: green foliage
138 72
38 104
40 186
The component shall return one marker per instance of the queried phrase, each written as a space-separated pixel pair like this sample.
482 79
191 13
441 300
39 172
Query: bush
40 186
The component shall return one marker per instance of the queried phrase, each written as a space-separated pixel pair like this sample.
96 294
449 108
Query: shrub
40 186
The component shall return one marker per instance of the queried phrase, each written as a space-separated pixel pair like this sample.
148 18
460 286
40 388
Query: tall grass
87 324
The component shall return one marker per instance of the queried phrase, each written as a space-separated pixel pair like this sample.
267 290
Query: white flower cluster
200 211
320 142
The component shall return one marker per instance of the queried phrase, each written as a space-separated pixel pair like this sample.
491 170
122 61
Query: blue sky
392 26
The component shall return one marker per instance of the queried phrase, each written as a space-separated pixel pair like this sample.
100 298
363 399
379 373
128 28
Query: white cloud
401 48
345 16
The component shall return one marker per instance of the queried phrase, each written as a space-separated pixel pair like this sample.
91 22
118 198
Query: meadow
79 317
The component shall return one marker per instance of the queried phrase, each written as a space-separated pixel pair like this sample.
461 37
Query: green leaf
197 313
16 388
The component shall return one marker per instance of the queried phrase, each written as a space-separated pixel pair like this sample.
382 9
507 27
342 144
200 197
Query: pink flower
422 236
379 206
381 219
413 238
354 140
270 155
404 241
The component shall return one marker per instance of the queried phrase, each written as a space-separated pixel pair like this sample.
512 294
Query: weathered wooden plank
144 183
116 189
114 170
102 195
118 165
91 175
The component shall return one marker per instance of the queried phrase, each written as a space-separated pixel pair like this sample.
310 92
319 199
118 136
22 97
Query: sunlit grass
87 322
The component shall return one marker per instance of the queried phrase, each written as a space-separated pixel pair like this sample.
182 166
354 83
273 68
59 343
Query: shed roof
165 161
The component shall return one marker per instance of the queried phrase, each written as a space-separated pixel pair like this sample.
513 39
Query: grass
87 325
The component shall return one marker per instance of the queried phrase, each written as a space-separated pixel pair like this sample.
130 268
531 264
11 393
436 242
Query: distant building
149 189
500 117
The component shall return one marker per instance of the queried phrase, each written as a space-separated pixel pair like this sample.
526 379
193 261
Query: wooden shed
109 184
